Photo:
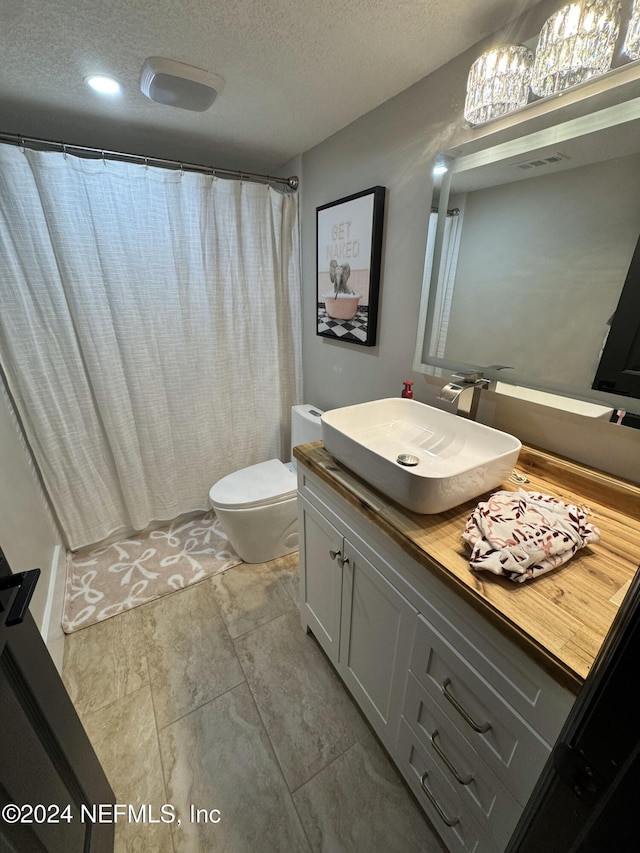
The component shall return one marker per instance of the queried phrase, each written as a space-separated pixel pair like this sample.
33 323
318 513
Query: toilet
256 506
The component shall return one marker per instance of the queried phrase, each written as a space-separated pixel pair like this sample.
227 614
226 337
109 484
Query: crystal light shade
498 83
576 43
632 41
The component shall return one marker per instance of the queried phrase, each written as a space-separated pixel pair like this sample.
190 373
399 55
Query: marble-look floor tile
307 712
359 803
286 569
250 595
125 739
219 757
191 658
105 662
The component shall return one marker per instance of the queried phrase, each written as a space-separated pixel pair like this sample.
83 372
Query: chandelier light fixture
498 83
632 40
575 44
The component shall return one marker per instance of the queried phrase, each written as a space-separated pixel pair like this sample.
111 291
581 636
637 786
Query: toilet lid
265 483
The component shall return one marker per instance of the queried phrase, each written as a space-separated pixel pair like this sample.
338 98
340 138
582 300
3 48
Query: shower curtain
149 332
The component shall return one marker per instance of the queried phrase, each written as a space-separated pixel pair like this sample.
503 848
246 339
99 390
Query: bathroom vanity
467 678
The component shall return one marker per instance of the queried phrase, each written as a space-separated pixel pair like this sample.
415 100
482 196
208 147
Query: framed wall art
349 252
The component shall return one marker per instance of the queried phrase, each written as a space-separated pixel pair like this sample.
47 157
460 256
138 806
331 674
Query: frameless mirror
532 273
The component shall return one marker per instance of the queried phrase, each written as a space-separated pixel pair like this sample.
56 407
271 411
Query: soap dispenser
407 391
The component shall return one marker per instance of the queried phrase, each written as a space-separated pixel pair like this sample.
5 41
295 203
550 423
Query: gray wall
26 533
395 146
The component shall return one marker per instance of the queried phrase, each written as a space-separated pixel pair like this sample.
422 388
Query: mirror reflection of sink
458 459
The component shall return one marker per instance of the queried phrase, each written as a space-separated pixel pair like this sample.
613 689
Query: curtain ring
64 151
146 163
181 170
23 147
104 160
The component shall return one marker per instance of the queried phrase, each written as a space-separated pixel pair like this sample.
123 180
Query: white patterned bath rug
110 579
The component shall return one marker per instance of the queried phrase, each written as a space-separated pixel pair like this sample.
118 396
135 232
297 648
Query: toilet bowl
256 506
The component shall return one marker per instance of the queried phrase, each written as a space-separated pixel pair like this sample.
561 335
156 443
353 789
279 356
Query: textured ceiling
296 71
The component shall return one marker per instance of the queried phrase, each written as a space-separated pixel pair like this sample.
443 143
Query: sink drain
407 459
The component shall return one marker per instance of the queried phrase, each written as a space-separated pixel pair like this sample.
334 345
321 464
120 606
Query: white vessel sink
457 459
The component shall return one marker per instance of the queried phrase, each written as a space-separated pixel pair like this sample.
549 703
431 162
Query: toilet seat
258 485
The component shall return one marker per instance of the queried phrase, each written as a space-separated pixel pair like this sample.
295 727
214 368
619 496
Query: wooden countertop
562 617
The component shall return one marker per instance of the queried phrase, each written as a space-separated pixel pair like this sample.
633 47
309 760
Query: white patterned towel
524 534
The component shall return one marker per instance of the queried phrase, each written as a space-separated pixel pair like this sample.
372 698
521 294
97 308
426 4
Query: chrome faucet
464 390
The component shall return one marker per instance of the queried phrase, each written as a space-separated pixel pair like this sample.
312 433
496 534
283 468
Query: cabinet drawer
511 748
447 812
486 798
524 685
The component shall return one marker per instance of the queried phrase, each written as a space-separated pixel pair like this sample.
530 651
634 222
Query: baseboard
51 630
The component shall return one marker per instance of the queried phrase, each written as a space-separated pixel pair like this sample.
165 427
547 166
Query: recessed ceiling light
440 169
103 85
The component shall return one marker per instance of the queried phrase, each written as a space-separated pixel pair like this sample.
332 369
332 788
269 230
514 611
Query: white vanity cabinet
361 621
468 717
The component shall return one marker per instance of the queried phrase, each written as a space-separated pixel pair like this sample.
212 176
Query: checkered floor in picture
344 330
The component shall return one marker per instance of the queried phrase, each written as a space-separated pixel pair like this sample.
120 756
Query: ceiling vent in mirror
547 160
178 85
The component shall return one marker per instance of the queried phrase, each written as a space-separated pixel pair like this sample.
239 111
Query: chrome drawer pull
334 554
464 780
477 727
448 820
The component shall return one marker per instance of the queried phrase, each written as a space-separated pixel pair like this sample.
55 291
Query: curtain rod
98 153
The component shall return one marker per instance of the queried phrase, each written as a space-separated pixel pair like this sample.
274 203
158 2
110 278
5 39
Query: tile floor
214 697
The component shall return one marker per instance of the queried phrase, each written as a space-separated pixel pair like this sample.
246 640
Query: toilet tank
305 425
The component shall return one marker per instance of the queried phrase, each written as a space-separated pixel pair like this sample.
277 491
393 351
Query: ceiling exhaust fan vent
536 163
178 85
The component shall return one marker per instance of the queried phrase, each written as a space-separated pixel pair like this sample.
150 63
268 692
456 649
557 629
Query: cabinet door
321 548
376 637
